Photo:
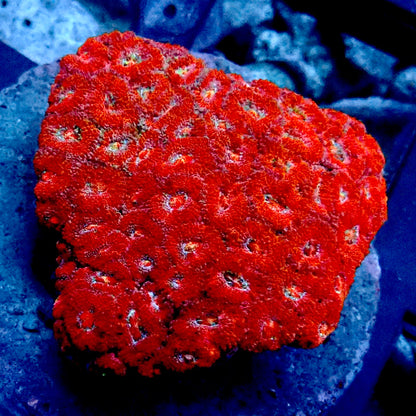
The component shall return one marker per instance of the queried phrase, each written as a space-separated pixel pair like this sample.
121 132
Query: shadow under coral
113 394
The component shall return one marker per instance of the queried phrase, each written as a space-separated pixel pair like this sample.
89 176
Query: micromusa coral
198 212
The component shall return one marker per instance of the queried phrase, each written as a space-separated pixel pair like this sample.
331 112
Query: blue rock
299 49
377 64
31 324
403 354
271 72
176 21
238 13
377 109
405 84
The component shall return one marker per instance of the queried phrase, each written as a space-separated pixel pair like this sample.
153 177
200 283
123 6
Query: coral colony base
198 212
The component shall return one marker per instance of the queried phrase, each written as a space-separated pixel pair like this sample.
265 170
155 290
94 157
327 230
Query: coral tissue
197 212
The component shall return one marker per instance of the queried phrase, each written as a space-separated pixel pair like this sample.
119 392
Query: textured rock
300 49
405 84
39 384
211 32
375 63
250 72
24 353
265 70
44 30
198 213
377 109
180 21
238 13
403 354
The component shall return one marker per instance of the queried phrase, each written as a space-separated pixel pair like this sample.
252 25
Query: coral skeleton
198 213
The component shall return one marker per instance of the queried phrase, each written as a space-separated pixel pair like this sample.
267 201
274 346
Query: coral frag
198 212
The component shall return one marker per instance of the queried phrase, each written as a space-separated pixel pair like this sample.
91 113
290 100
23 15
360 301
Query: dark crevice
44 258
170 11
237 45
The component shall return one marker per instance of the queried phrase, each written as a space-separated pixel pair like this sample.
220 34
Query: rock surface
405 84
45 30
299 48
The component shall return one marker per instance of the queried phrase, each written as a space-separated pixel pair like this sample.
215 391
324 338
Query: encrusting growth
198 212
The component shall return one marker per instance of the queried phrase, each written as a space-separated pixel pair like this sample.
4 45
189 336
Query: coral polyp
198 212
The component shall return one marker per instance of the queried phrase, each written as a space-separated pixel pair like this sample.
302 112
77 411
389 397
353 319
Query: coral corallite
198 212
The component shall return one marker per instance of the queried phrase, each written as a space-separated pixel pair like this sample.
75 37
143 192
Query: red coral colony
198 212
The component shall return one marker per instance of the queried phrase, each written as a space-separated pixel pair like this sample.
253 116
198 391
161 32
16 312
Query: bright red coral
198 212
